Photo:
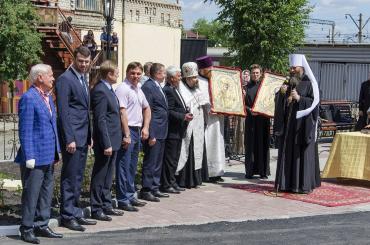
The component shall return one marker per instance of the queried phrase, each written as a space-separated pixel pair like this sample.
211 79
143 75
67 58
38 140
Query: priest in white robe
214 125
191 156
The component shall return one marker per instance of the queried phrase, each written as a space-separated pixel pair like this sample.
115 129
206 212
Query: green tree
20 43
212 30
263 32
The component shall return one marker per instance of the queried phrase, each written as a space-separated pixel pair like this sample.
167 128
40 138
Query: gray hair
172 70
38 69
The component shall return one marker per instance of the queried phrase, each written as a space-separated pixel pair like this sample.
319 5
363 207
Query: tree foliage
212 30
263 32
20 43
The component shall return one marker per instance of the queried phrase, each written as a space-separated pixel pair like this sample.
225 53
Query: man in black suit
73 98
364 104
177 124
107 136
154 146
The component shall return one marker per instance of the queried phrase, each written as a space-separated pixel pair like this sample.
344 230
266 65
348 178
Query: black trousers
172 151
36 195
101 181
71 180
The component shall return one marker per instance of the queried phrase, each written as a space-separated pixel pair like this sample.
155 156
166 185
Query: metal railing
8 136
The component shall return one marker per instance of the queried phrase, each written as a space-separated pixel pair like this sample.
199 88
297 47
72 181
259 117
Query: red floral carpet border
329 195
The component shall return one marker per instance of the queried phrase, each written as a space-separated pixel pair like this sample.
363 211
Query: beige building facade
148 30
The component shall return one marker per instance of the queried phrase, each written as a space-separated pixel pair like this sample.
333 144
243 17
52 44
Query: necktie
115 96
164 96
182 99
84 84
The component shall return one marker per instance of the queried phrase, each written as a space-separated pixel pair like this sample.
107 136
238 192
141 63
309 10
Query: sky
333 10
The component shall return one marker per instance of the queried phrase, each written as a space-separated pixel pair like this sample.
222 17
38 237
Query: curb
13 230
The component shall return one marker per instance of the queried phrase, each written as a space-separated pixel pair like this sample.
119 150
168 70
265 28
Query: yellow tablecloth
349 157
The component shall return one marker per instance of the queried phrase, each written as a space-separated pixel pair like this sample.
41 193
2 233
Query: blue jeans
126 166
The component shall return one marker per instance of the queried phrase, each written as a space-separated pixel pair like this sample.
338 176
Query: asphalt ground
352 228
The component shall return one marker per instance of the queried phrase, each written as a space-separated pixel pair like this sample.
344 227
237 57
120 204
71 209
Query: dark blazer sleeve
63 89
361 99
100 106
147 90
26 119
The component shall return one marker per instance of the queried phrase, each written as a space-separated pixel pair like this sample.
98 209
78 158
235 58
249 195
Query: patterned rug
329 194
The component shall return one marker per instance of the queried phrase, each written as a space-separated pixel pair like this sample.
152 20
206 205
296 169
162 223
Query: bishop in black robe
298 163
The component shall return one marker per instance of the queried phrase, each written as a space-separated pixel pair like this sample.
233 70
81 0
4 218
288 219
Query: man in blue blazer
107 135
37 154
154 146
73 101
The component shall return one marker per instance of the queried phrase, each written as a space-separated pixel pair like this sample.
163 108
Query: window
154 11
169 19
131 15
91 5
150 19
162 18
137 15
146 10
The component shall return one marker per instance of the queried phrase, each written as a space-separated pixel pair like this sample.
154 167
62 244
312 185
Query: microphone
293 82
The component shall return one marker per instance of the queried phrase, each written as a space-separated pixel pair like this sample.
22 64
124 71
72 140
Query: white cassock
194 101
214 135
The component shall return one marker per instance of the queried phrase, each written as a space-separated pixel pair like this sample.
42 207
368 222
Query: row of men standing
122 119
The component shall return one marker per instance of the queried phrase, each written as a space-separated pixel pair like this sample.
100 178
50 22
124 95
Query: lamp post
108 13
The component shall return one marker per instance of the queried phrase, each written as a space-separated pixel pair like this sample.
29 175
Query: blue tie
84 84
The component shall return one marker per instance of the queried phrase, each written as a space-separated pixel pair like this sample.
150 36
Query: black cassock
298 167
257 137
364 104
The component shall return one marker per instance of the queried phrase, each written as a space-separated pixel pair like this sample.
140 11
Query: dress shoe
72 224
127 207
113 212
137 203
29 236
212 180
178 188
248 176
101 216
220 179
148 197
47 232
83 221
170 190
160 194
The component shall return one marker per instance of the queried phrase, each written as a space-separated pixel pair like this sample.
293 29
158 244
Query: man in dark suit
107 136
154 146
75 136
364 105
177 124
37 154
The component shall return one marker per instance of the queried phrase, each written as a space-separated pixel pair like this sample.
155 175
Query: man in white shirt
135 118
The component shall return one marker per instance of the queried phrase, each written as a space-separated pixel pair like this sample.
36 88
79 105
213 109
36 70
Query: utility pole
359 26
323 22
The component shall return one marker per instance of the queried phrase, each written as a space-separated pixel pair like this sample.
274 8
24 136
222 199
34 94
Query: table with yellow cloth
349 156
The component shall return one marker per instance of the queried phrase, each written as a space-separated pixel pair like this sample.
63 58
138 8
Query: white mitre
300 60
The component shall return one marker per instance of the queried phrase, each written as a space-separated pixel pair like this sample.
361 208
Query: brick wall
155 12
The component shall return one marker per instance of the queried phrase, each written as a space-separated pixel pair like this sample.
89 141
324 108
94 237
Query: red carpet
329 195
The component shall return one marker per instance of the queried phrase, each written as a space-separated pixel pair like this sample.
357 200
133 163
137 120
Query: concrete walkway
213 203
